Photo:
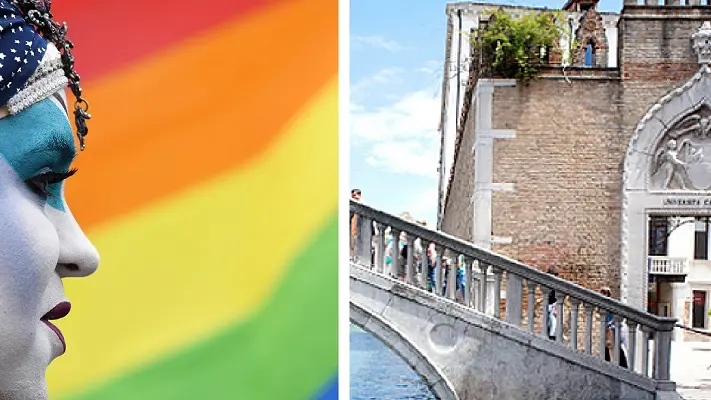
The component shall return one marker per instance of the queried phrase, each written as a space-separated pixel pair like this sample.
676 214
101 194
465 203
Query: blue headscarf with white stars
21 51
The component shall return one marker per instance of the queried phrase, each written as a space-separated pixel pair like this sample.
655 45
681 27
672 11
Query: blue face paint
37 139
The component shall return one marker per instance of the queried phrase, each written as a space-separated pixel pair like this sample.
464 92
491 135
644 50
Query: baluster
452 279
546 317
588 327
483 268
364 242
395 253
351 236
468 281
439 272
574 304
644 362
531 287
380 250
559 299
603 331
425 265
617 320
497 291
475 283
662 353
632 345
410 266
513 299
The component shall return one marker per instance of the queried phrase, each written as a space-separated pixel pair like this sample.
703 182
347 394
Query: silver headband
48 78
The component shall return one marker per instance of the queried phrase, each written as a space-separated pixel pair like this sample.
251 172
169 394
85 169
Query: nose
77 256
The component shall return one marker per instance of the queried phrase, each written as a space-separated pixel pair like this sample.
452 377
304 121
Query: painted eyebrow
57 96
53 144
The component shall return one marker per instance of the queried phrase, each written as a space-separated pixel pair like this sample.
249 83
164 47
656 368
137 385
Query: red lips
59 311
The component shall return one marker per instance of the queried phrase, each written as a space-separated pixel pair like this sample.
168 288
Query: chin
26 379
31 389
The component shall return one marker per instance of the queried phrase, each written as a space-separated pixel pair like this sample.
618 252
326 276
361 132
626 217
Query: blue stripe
329 391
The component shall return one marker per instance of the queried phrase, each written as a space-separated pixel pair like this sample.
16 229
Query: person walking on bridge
610 334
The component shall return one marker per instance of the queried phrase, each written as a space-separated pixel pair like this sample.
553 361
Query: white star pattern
16 36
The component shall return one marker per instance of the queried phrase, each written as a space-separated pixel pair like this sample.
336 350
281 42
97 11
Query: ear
4 112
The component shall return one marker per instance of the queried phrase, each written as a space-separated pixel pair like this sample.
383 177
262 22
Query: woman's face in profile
41 243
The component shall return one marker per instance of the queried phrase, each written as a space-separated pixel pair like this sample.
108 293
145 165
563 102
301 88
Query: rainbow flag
209 186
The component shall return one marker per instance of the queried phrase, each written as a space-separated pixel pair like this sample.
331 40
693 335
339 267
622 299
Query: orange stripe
201 110
96 26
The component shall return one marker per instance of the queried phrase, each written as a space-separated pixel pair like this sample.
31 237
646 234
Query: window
701 238
658 234
589 55
698 314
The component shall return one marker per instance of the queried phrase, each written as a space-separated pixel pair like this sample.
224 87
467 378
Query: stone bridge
484 341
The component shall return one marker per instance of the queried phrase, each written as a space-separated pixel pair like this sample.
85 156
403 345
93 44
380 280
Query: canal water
377 373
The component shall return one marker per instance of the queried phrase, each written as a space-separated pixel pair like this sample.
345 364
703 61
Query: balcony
663 265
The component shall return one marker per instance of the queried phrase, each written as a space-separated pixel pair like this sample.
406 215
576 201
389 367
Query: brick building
602 165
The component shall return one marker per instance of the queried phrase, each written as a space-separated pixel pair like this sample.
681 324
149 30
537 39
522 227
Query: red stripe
127 30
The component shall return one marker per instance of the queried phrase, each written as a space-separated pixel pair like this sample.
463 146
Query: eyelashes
39 184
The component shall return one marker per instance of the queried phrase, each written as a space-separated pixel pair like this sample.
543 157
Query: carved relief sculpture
41 241
681 161
591 30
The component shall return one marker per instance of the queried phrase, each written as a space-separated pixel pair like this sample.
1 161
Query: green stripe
288 350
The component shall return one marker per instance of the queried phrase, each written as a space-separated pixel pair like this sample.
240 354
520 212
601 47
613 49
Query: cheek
29 251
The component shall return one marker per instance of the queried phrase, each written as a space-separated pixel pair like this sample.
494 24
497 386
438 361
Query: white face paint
41 244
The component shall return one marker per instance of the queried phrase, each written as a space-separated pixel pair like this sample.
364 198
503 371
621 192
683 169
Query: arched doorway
666 198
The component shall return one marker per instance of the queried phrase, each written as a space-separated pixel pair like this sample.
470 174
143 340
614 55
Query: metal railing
483 268
663 265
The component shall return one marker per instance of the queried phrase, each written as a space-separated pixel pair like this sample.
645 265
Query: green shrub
513 45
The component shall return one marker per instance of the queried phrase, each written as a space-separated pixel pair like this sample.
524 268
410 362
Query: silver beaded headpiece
48 78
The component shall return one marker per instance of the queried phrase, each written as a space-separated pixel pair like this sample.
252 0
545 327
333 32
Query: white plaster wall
681 239
680 293
611 35
470 20
700 272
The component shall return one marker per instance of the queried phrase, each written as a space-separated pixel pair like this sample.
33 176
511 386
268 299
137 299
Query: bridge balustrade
649 336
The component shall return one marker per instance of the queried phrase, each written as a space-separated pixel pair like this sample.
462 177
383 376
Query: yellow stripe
183 269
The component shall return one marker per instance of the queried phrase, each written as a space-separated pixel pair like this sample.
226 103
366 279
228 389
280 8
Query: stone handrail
478 262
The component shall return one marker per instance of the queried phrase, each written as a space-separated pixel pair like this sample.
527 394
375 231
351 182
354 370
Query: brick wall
655 56
564 164
567 158
457 219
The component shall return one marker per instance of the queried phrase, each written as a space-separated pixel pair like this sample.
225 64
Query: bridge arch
403 347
